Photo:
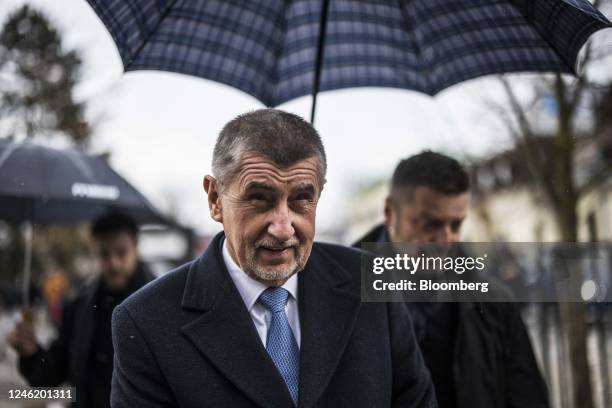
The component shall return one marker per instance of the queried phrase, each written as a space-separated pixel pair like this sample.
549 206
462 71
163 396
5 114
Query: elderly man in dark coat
266 318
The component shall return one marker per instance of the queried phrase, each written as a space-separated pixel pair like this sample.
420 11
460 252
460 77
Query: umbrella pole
319 60
27 262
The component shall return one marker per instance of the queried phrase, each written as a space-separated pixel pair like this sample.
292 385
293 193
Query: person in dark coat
82 355
479 354
266 318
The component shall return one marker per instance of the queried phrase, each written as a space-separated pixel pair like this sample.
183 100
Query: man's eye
456 225
303 197
257 197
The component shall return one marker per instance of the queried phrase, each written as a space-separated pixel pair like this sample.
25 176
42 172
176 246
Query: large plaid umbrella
277 50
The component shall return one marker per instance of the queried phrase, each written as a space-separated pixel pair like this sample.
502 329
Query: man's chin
117 279
116 284
274 275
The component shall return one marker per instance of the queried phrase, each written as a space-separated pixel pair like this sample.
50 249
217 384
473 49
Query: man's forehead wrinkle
265 174
248 158
262 185
269 166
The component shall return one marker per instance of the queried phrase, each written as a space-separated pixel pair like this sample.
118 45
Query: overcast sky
161 127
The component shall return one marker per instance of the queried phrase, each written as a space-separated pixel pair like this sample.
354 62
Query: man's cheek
308 221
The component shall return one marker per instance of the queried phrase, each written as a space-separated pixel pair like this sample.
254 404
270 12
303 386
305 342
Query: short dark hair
282 137
429 169
113 223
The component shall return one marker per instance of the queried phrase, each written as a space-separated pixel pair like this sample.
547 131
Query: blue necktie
280 343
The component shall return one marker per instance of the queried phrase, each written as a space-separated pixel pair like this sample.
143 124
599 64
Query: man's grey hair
282 137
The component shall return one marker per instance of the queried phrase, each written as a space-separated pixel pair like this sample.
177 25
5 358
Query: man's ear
321 188
211 187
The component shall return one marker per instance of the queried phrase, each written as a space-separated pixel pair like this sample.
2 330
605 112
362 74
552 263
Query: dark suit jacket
66 359
187 340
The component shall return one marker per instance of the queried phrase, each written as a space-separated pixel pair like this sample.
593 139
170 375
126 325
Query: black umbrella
43 185
278 50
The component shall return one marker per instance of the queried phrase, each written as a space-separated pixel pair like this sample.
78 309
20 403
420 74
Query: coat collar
225 333
378 234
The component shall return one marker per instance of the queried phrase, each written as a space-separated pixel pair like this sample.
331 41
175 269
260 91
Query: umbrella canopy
44 185
273 49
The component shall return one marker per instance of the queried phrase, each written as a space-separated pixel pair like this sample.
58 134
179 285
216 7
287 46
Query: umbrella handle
27 263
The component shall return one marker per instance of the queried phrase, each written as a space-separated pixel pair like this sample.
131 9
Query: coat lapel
224 333
327 317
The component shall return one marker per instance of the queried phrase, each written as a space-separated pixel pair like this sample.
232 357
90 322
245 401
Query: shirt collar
249 288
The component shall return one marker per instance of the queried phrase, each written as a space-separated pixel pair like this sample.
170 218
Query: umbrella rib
80 163
588 29
561 57
319 57
272 99
149 35
415 44
567 63
7 153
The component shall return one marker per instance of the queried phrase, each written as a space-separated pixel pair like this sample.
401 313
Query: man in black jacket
479 354
82 355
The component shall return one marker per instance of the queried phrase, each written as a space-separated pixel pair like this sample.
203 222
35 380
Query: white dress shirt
250 290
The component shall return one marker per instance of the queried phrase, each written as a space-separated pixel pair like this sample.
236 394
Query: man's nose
114 262
445 235
281 226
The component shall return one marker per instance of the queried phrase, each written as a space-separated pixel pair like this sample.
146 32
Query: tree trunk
572 314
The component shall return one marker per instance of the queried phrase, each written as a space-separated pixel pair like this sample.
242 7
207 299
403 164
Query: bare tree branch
526 141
